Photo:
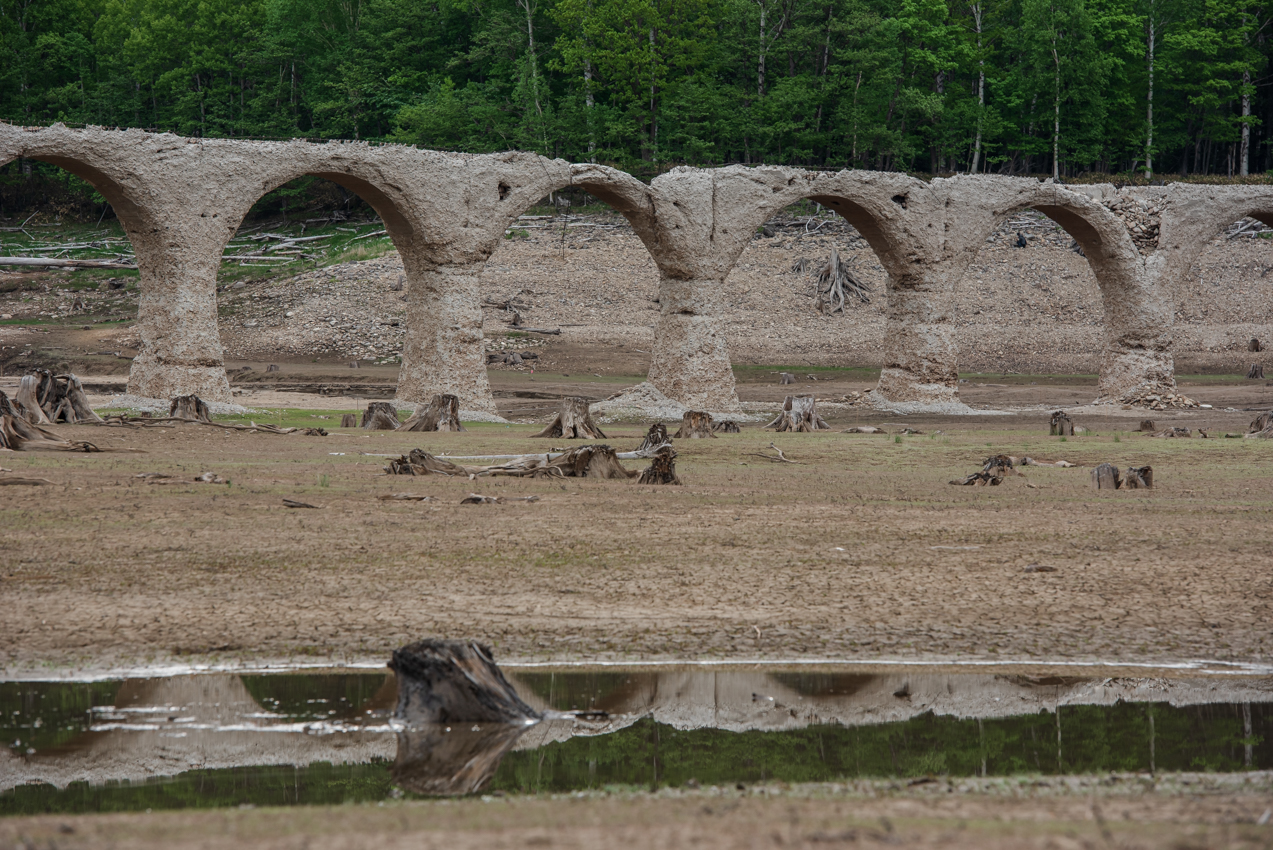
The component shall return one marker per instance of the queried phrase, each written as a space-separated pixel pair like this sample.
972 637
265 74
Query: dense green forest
1143 87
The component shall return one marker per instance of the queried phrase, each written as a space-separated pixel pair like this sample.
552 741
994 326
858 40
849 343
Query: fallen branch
292 503
24 482
780 458
46 262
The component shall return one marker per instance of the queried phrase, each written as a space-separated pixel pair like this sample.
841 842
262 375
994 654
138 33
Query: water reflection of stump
460 717
432 760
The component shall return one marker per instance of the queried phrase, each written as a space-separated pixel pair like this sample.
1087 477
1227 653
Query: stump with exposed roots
45 398
799 413
1060 425
695 425
655 438
442 413
1139 478
573 422
380 416
727 426
662 468
1256 372
27 400
597 461
190 408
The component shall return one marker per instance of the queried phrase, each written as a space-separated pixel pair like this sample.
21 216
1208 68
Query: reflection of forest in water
324 739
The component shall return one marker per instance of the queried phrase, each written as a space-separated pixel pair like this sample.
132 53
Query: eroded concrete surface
181 200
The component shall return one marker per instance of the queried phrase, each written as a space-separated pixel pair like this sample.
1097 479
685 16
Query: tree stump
655 438
448 681
191 408
349 420
573 422
1260 423
727 426
420 462
442 413
662 469
597 461
273 367
695 425
1060 425
1256 372
444 761
1148 426
27 400
380 416
69 403
1138 478
1105 477
1254 345
785 378
799 413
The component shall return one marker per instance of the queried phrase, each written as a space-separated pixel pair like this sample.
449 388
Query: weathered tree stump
1105 477
655 438
68 402
1254 345
449 681
442 413
1175 431
349 420
727 426
573 422
1060 425
191 408
27 400
1148 426
1256 372
420 462
460 714
273 367
799 413
1139 478
785 378
662 469
597 461
979 479
695 425
380 416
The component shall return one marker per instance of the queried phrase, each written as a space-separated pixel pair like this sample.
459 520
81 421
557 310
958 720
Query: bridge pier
690 360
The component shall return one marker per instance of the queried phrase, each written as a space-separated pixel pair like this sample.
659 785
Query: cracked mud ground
861 551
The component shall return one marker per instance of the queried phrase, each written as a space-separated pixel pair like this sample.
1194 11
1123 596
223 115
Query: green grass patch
767 374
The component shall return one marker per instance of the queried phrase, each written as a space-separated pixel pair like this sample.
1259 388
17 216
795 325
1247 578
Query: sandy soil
1091 812
859 551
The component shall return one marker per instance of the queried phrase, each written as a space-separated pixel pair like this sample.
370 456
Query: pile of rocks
1140 215
1158 399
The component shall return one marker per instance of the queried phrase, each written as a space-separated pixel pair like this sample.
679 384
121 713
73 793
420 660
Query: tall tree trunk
760 63
1056 112
654 120
981 89
1149 99
589 103
1244 159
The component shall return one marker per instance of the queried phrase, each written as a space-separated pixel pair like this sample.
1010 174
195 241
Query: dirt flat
861 550
1128 812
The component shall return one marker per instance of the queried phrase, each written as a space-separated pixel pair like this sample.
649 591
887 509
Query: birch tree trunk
981 88
1244 159
1056 112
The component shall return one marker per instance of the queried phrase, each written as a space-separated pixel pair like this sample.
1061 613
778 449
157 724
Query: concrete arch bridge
181 200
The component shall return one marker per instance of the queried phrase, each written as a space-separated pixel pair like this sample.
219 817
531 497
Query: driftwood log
592 461
459 716
20 435
349 420
1060 425
695 425
1256 372
442 413
573 422
380 416
799 413
1175 431
662 469
1139 478
979 479
1105 477
727 426
191 408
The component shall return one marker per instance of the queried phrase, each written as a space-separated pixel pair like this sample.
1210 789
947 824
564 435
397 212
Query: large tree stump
349 420
662 469
420 462
442 413
799 413
380 416
695 425
1256 372
1260 423
1105 477
27 400
67 402
1060 425
573 422
598 461
191 408
450 681
1138 478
